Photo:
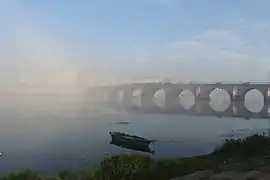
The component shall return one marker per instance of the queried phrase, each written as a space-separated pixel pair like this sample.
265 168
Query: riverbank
241 157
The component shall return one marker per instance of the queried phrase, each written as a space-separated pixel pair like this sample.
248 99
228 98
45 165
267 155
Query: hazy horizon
64 46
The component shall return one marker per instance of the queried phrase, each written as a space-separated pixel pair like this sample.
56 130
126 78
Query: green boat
132 146
123 137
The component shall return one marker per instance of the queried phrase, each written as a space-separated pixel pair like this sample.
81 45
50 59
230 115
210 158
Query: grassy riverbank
242 155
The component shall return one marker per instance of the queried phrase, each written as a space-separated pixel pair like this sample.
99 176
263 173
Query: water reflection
131 146
245 132
50 133
131 142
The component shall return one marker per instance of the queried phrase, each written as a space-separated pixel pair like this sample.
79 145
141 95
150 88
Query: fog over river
54 132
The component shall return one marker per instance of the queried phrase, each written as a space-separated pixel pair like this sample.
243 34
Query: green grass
252 146
239 155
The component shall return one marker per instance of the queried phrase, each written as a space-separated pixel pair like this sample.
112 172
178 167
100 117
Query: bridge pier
204 92
239 93
127 97
265 112
202 107
267 94
112 97
147 98
172 97
239 110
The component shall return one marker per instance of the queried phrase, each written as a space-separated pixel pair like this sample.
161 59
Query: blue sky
127 40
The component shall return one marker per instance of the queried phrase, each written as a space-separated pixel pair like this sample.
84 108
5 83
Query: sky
67 45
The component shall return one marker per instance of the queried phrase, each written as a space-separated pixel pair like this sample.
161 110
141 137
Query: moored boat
129 138
133 146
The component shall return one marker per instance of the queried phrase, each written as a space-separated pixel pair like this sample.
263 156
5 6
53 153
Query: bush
122 168
141 167
23 175
66 175
252 146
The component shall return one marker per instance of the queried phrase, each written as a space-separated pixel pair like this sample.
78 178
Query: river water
52 133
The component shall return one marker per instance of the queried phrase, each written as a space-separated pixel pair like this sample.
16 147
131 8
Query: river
52 133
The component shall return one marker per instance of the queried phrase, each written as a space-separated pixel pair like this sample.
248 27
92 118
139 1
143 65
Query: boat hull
132 146
128 138
131 142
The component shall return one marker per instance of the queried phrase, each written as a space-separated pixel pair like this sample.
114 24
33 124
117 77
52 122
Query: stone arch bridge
123 96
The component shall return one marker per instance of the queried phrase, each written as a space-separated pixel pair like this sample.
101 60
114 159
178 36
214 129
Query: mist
35 59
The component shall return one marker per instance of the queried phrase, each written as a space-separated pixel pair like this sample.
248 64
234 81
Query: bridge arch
220 99
120 96
254 100
173 95
186 99
160 98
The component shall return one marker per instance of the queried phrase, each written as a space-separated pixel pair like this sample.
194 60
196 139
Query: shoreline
241 157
